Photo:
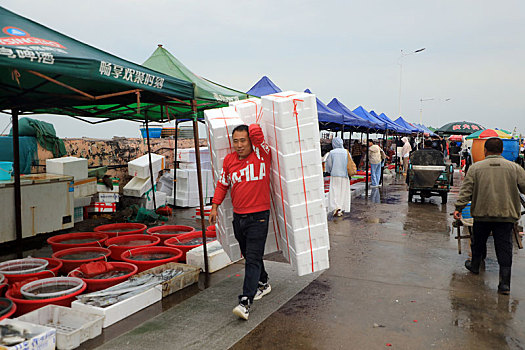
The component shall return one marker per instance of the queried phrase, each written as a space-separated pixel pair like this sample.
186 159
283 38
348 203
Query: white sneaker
243 309
264 288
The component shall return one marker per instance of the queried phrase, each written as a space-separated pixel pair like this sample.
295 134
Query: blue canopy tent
390 124
328 118
264 87
407 125
426 130
350 118
363 113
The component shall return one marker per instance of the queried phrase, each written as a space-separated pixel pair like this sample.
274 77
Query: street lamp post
421 108
400 62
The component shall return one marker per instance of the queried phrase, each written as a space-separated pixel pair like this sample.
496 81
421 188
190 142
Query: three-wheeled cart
429 180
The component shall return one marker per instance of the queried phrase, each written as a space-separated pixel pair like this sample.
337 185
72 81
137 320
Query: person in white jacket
406 153
336 162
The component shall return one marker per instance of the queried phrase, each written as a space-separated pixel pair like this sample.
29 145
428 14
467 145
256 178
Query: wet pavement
397 281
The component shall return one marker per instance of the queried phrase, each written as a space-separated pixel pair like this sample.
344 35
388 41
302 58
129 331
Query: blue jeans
251 231
376 173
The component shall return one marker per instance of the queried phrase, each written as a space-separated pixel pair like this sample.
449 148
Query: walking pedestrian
357 153
405 153
245 174
375 159
493 185
337 165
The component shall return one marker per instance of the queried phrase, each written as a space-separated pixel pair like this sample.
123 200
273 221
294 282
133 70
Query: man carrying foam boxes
245 173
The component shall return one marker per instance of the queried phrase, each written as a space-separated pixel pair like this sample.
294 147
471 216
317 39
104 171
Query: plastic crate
154 133
79 214
72 327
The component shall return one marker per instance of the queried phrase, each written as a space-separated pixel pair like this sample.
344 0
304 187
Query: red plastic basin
120 229
24 306
166 231
175 241
69 265
145 265
98 284
118 245
10 313
56 241
210 228
52 271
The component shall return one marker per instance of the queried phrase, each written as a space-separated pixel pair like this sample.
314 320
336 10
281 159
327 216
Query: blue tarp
390 123
405 124
363 113
263 87
350 118
327 115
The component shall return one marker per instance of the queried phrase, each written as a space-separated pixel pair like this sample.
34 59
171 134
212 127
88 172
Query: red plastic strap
273 220
296 114
280 181
227 130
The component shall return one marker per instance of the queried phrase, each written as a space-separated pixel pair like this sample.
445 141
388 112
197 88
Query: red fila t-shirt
248 179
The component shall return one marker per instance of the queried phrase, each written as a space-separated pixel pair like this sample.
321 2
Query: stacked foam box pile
140 184
220 123
187 194
106 198
250 111
292 131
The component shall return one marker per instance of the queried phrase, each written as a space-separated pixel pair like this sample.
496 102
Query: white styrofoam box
190 202
290 141
302 215
302 262
283 105
249 110
217 257
72 326
294 190
72 166
137 187
106 197
44 339
192 165
188 155
170 200
102 207
160 200
220 123
140 167
122 309
82 201
182 202
85 188
301 238
290 165
104 188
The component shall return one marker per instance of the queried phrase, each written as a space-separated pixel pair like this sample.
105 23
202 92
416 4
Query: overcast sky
474 56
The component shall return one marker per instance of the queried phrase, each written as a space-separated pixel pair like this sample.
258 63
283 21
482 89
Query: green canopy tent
44 71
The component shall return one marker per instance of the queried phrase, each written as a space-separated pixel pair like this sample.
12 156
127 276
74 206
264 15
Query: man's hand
213 214
457 215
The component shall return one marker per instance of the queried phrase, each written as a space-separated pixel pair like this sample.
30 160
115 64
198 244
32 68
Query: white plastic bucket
28 290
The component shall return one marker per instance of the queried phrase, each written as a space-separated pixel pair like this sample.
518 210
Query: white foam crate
290 167
220 123
217 257
116 312
281 106
302 262
72 166
82 201
72 326
160 200
45 338
187 155
85 188
107 197
290 141
249 110
140 167
294 190
300 238
104 188
137 187
189 165
296 215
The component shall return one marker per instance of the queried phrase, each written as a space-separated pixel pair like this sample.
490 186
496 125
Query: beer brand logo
19 36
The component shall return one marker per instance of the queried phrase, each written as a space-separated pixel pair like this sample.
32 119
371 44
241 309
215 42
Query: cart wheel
410 195
444 198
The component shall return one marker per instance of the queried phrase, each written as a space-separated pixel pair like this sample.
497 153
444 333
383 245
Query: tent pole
199 180
18 196
367 161
150 166
383 165
176 150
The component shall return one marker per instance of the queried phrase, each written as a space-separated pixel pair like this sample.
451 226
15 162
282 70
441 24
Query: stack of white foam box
291 124
187 193
220 123
187 160
76 167
140 184
250 111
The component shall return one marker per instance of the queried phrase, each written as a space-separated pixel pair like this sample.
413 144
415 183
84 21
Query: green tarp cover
45 135
163 61
27 46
